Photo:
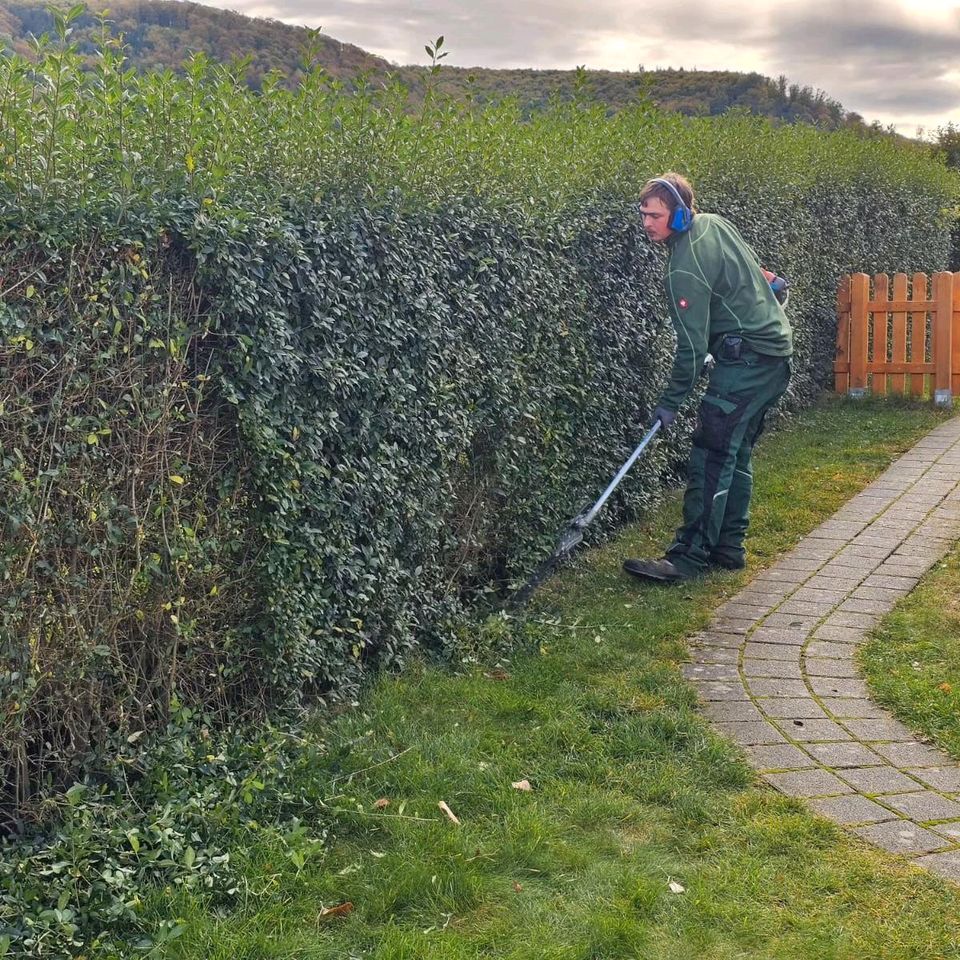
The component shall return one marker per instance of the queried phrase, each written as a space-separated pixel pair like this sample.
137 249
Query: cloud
889 63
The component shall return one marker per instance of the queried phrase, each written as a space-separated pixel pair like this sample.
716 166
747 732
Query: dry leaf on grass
451 816
497 674
521 785
381 803
340 910
516 887
945 687
675 887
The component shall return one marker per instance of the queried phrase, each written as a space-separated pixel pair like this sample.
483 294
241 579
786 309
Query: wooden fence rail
902 337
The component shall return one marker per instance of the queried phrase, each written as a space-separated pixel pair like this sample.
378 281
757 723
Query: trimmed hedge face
260 432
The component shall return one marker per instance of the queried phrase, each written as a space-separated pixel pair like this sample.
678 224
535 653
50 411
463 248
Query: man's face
656 219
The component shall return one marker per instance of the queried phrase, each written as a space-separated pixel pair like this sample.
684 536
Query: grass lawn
643 836
912 659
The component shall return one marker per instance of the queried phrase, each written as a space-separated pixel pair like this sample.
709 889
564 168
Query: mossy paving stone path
775 669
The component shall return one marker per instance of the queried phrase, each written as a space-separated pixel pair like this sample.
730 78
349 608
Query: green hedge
294 382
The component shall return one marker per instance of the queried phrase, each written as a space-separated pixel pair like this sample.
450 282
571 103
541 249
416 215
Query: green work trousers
716 504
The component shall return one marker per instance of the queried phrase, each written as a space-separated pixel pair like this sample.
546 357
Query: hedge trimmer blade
573 533
569 539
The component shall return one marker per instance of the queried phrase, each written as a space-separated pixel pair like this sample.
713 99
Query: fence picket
881 294
899 351
918 333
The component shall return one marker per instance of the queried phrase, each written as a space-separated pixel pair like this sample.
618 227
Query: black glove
665 416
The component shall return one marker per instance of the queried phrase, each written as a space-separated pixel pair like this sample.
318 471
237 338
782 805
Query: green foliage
294 381
159 815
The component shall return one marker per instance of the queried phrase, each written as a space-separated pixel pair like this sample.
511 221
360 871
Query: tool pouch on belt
731 348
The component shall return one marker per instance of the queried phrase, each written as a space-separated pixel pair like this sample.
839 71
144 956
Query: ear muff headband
682 216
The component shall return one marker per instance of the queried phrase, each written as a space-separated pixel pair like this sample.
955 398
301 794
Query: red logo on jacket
683 303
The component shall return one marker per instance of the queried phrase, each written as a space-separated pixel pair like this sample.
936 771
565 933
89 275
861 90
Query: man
720 303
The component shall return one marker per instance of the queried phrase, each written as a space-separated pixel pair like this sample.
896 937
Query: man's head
658 204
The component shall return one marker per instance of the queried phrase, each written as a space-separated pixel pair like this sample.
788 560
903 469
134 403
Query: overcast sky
890 60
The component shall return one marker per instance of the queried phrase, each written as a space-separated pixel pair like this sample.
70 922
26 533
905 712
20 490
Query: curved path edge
775 670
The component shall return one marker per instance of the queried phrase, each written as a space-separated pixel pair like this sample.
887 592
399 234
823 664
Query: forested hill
164 33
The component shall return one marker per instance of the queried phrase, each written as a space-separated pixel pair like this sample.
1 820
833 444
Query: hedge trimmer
573 532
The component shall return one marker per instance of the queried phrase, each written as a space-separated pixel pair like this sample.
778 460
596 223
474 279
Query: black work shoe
658 571
727 562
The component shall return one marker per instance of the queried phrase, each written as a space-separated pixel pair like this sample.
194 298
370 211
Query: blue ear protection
682 217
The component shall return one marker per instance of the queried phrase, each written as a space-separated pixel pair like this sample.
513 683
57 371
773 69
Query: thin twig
379 763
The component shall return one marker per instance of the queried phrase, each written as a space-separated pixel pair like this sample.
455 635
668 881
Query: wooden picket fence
903 337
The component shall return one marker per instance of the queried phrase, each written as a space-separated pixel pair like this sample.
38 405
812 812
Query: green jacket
714 287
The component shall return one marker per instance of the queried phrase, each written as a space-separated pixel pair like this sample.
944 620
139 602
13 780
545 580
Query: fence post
942 338
841 363
955 363
859 298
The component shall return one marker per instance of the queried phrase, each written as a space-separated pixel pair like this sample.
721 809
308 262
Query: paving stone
793 621
772 651
838 686
749 734
812 594
842 754
766 634
742 611
943 864
810 730
854 605
877 780
840 634
887 541
885 728
716 655
817 667
879 580
717 690
710 671
798 563
950 830
731 710
782 575
885 594
901 836
850 810
733 625
777 687
811 783
713 638
792 708
902 566
946 779
844 707
830 581
910 754
862 551
923 806
844 529
772 668
807 608
778 756
765 595
846 618
827 648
